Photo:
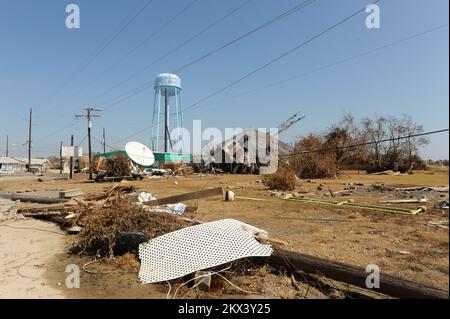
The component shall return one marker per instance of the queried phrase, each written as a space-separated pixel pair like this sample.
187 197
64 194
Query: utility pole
71 159
29 140
104 141
89 117
60 159
7 145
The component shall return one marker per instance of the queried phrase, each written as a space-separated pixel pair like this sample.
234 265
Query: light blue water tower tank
167 113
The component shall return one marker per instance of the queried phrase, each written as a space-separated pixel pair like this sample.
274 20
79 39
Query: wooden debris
398 251
188 196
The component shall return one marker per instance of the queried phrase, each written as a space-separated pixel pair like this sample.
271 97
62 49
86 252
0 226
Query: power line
329 65
278 58
279 17
122 58
366 143
177 48
260 27
103 48
326 66
134 134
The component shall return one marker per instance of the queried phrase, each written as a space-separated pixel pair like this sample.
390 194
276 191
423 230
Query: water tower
167 113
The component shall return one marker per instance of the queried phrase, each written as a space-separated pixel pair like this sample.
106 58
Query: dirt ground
33 262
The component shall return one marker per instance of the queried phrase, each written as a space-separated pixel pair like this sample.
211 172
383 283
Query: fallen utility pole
188 196
389 285
89 117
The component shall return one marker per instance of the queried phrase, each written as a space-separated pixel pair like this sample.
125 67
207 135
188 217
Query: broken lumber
41 208
184 197
354 275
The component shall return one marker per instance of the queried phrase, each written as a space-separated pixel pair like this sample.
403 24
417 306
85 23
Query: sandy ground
27 248
346 235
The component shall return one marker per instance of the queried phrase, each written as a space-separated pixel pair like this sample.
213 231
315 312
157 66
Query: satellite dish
139 153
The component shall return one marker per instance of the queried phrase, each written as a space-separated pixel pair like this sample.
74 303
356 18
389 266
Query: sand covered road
26 249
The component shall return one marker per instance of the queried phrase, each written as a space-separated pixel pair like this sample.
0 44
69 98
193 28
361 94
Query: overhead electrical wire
260 27
365 143
148 38
390 44
105 46
329 65
178 47
278 57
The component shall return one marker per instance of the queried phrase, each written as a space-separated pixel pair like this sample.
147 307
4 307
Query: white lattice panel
199 247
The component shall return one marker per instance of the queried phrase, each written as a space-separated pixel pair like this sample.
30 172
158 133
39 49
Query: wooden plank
188 196
389 285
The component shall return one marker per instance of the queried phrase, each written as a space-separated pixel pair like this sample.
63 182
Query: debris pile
105 220
283 180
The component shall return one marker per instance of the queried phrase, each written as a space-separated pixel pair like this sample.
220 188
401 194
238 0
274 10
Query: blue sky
39 57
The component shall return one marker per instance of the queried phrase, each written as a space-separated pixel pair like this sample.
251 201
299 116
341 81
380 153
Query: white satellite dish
139 153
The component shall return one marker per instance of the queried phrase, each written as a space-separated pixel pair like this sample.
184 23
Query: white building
13 165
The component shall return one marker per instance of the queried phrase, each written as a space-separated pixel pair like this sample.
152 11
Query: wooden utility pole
7 145
89 117
71 159
104 141
60 159
29 141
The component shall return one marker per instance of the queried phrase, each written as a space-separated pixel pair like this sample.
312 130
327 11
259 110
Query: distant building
13 165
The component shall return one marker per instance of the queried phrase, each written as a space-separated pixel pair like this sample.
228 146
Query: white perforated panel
199 247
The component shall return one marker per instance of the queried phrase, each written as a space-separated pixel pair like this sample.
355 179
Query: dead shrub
313 163
283 180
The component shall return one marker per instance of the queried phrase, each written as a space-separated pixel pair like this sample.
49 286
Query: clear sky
41 60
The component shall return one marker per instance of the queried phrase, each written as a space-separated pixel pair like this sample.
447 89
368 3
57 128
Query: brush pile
103 223
118 165
283 180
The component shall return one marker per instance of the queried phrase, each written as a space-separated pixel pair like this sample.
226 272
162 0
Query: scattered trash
199 247
128 242
170 208
390 172
145 197
442 204
8 209
229 196
440 224
74 230
398 251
